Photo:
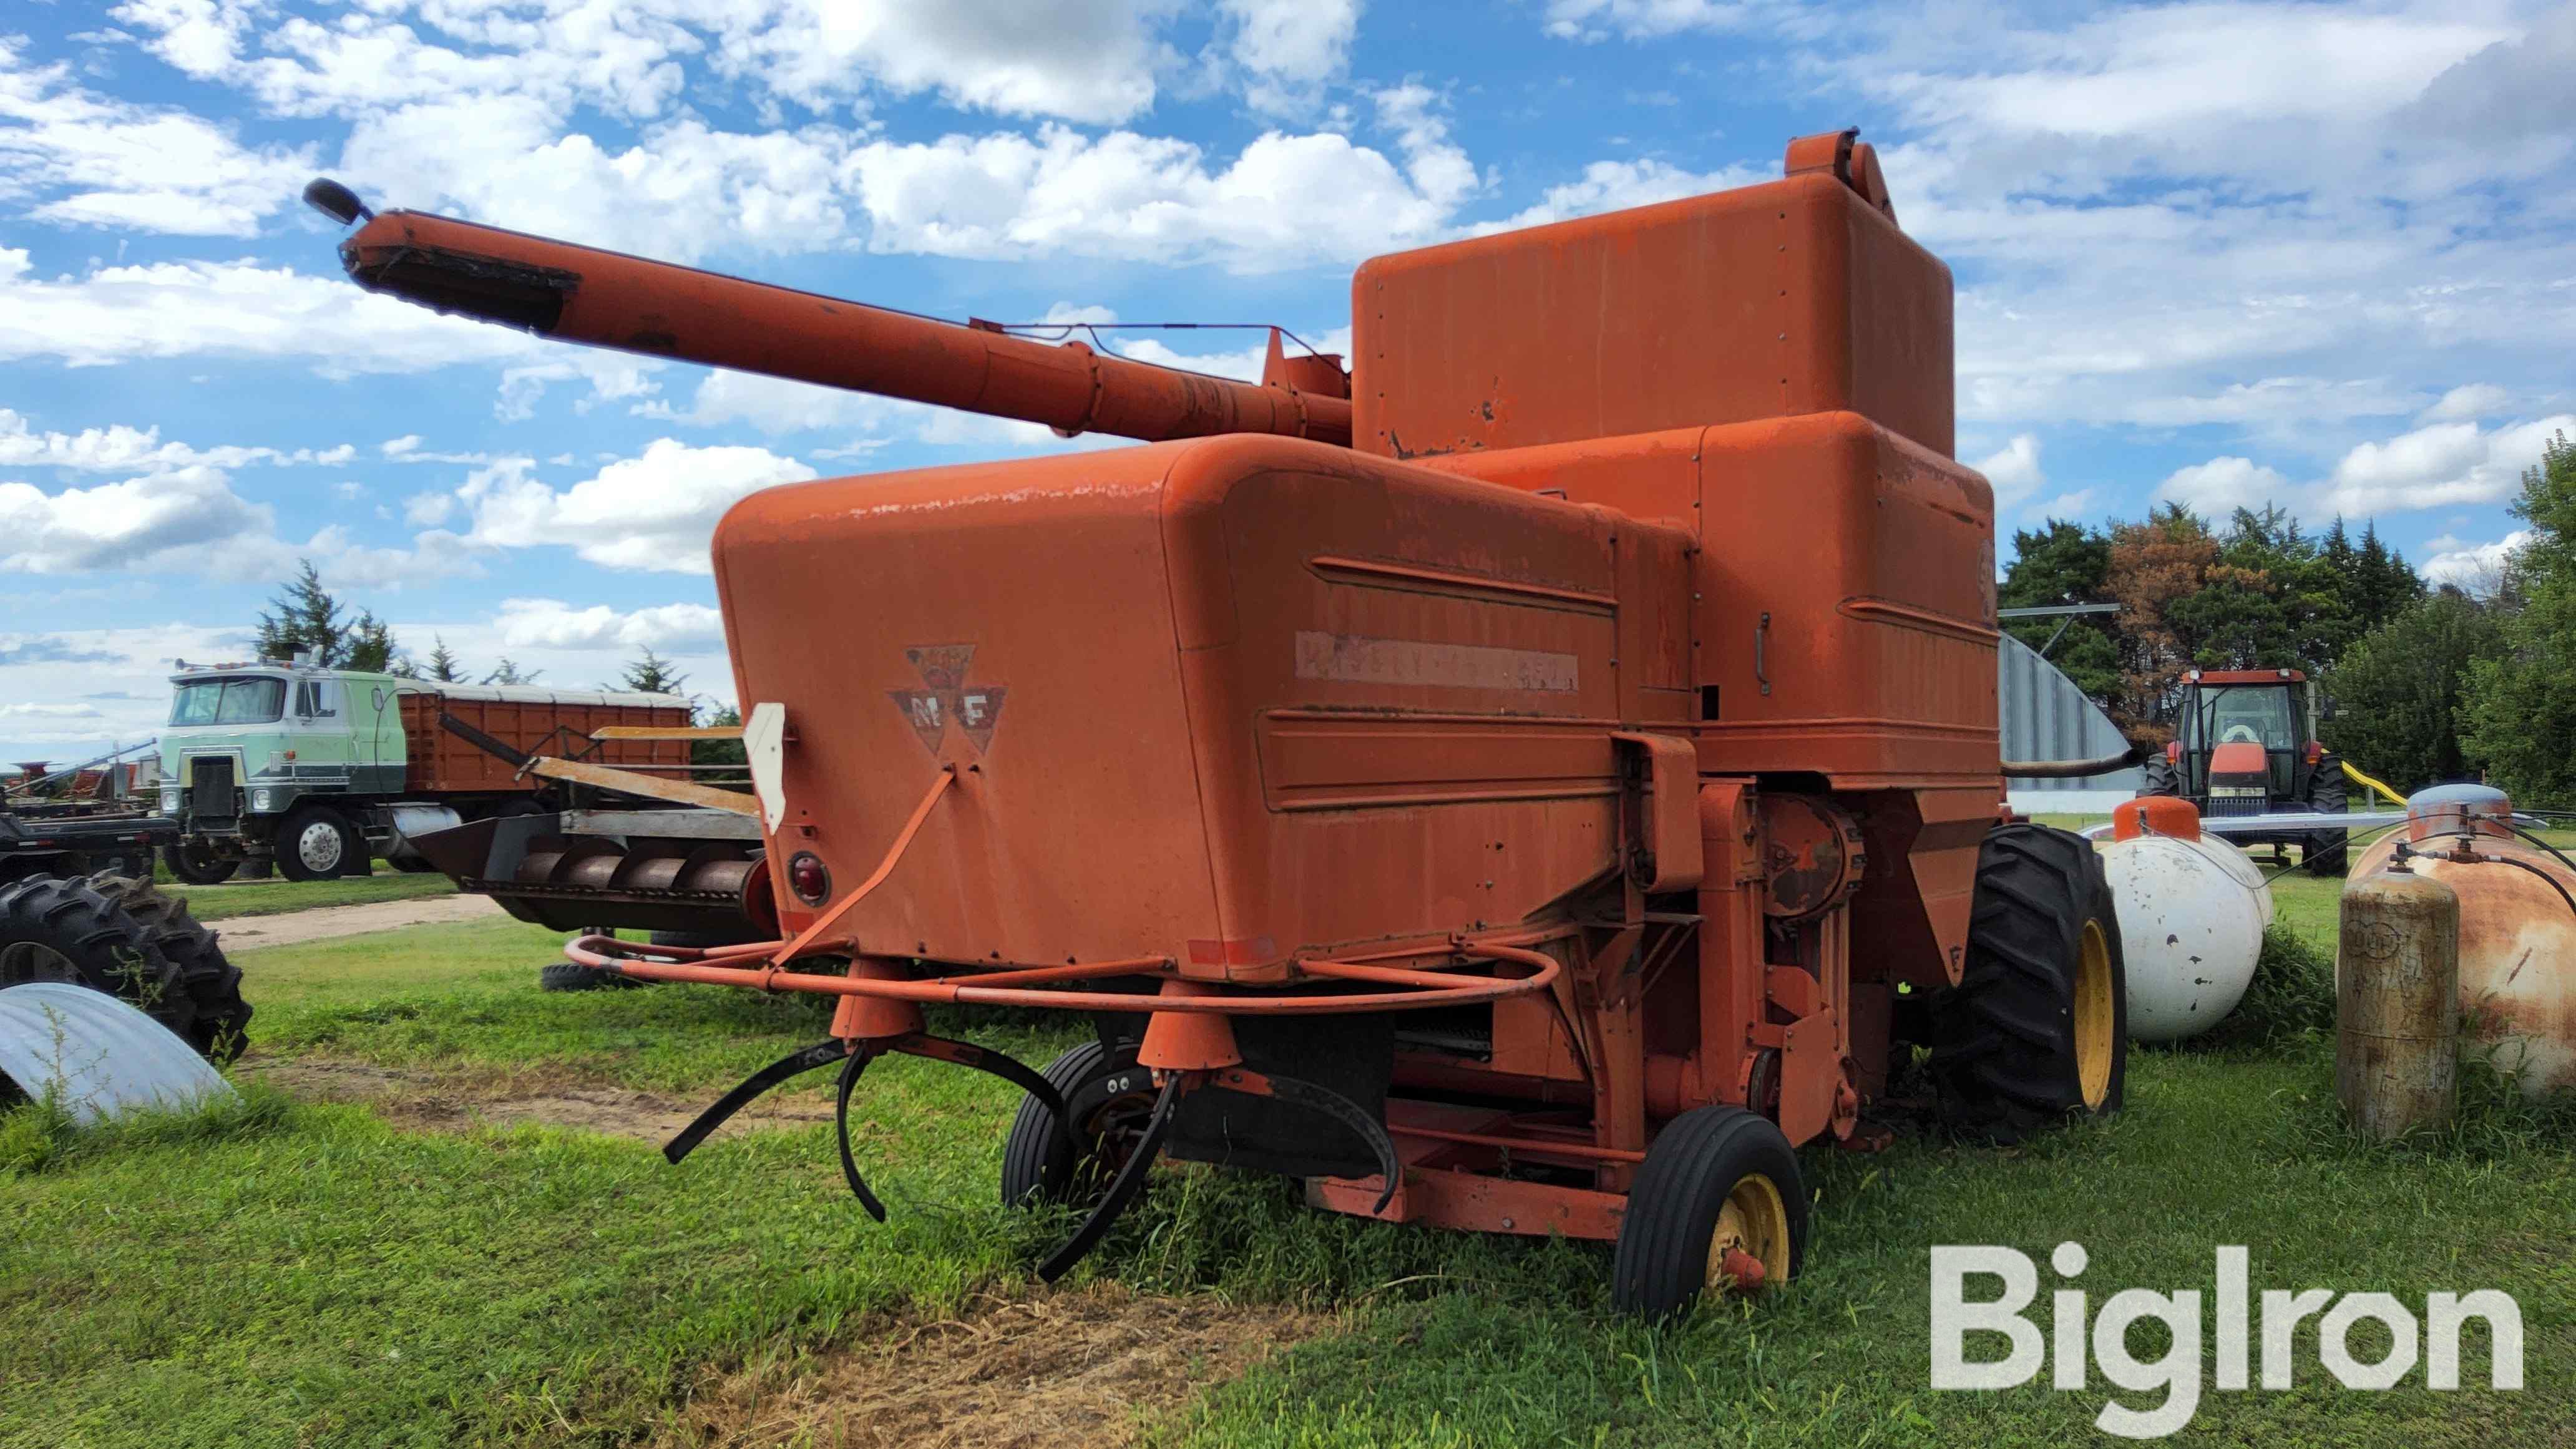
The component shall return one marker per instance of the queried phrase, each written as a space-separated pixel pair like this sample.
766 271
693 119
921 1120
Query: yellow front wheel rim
2096 1021
1754 1221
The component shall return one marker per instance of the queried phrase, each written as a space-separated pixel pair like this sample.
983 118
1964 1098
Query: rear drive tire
2162 778
199 863
318 843
2037 1030
81 931
1715 1179
2327 850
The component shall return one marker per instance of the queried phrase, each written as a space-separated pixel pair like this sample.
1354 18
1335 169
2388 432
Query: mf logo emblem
945 697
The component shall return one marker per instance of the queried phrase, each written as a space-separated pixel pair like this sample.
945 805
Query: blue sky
2222 253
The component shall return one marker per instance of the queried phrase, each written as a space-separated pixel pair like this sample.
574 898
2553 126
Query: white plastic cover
99 1056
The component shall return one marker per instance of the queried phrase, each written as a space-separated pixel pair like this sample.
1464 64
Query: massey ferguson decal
945 696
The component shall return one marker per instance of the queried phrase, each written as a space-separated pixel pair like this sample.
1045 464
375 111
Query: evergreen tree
2520 713
443 665
650 673
507 672
307 617
721 752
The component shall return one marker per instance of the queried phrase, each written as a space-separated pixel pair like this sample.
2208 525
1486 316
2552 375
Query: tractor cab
2245 743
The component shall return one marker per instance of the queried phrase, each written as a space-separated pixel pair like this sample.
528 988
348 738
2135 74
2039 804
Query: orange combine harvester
1530 782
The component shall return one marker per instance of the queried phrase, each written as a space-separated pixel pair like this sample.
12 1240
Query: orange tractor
1531 782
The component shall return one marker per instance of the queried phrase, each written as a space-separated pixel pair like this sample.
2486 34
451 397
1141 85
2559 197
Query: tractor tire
213 984
2162 778
1715 1179
318 843
572 976
198 863
2327 850
1107 1094
113 939
2037 1030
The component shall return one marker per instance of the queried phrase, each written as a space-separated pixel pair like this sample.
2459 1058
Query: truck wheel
197 862
318 843
70 930
211 983
2037 1029
1718 1205
1109 1097
2328 795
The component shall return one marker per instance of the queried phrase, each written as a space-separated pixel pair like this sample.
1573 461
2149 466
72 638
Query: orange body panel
1796 296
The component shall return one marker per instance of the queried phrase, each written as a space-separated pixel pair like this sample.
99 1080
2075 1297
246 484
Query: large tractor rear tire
2328 795
2161 777
119 935
2037 1030
1718 1181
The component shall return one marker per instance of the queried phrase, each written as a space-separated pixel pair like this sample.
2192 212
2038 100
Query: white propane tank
2192 912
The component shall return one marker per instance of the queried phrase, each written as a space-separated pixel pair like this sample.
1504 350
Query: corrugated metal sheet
2045 717
97 1055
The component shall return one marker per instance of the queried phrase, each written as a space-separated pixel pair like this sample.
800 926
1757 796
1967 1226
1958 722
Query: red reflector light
2173 752
2316 752
808 878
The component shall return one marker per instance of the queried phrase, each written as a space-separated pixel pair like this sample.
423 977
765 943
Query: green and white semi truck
323 770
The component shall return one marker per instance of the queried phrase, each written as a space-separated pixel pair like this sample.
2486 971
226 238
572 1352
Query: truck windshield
229 701
2252 714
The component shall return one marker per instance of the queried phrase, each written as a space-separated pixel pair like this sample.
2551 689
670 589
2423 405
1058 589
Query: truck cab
250 745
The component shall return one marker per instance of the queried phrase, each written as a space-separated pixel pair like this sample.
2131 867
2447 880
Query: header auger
1532 785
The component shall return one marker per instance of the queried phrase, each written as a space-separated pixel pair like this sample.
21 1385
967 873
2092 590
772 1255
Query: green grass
293 1273
275 897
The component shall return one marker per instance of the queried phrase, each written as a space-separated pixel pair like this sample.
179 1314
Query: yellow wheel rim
2095 1020
1754 1221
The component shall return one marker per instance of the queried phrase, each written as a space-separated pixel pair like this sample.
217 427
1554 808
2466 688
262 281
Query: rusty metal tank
2192 913
2397 1010
2517 927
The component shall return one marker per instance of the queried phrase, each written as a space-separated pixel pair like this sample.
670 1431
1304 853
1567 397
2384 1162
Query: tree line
2430 683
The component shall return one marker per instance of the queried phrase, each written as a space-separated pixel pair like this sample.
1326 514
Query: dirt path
1053 1371
250 933
455 1101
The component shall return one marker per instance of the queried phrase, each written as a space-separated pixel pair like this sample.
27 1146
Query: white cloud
1644 19
1290 48
186 517
86 161
1612 185
421 510
2470 400
553 624
120 448
2222 485
1083 60
2437 466
2015 473
655 511
2473 568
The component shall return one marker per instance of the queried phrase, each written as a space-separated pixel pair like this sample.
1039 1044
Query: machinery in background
2245 743
327 769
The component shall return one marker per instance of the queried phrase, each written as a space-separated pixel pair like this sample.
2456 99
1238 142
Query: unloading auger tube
1188 1043
607 299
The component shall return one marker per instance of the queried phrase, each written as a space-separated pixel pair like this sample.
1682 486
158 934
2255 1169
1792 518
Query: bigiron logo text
2247 1340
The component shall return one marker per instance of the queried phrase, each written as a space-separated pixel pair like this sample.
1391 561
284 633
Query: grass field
276 897
297 1271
